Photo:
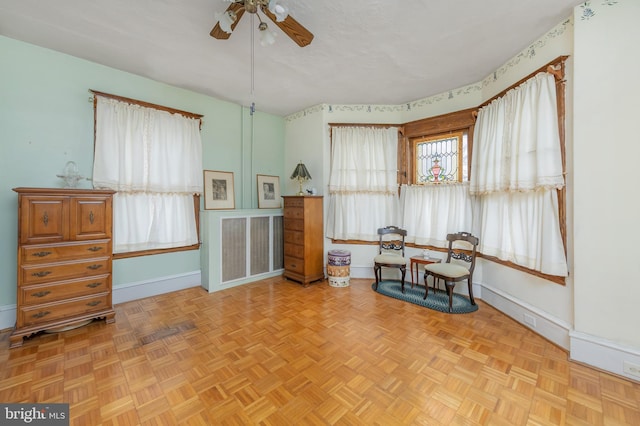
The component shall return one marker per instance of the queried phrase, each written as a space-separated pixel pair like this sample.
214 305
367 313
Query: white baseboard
360 272
551 328
235 283
8 316
141 289
604 354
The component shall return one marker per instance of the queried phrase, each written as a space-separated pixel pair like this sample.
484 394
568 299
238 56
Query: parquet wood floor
276 353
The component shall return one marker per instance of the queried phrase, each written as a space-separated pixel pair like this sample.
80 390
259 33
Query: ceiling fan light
226 20
267 37
281 11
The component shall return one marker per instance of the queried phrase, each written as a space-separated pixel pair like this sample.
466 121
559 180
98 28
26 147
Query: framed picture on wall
268 192
218 190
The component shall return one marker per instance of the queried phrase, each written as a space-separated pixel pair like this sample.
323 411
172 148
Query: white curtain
363 184
430 212
516 170
153 159
523 228
516 140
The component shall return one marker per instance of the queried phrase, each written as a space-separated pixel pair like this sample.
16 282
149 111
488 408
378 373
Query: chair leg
376 271
403 271
426 285
473 302
449 286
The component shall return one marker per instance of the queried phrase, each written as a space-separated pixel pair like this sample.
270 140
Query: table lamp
302 174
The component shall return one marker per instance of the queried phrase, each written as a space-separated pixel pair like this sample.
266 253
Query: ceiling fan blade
292 28
217 32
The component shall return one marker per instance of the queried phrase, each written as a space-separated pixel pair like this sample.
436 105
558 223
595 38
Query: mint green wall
263 153
46 119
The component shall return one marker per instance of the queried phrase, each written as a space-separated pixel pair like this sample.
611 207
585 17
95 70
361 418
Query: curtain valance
364 160
140 149
516 140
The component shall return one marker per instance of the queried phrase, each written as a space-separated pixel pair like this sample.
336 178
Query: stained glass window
441 158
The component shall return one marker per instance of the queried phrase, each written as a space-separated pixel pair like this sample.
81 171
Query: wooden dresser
303 238
64 259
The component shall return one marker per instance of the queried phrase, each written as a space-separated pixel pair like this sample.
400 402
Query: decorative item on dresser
64 259
303 238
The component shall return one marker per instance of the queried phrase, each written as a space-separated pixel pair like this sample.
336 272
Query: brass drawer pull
41 274
41 314
41 293
41 253
96 248
94 303
94 267
91 217
94 285
45 219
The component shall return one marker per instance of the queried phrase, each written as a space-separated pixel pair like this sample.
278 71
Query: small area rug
438 301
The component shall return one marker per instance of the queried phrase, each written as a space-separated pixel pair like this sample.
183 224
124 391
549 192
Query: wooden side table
421 260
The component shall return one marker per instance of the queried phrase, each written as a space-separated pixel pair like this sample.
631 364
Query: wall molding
154 287
540 322
8 316
603 354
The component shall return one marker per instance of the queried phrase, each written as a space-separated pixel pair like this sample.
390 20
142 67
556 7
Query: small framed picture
269 192
218 190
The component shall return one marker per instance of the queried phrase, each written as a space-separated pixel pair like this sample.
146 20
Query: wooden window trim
196 197
454 122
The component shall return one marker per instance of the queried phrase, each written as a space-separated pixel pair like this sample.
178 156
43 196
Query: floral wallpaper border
588 12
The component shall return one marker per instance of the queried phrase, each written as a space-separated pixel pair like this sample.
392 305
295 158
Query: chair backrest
462 253
391 240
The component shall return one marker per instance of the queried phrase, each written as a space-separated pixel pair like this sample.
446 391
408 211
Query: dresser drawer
51 292
294 264
293 202
32 274
293 237
293 224
46 253
294 213
39 314
294 250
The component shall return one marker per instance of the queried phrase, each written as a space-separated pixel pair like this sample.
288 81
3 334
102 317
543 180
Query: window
416 171
435 199
152 157
440 158
516 175
363 186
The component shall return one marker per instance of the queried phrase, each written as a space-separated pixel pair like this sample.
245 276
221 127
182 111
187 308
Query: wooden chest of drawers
64 259
303 238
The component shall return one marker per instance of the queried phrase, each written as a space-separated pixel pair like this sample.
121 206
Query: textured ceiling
364 52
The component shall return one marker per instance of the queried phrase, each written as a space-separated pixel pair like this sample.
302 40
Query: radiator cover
240 246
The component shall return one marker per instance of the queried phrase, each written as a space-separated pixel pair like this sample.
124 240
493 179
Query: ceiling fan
276 11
